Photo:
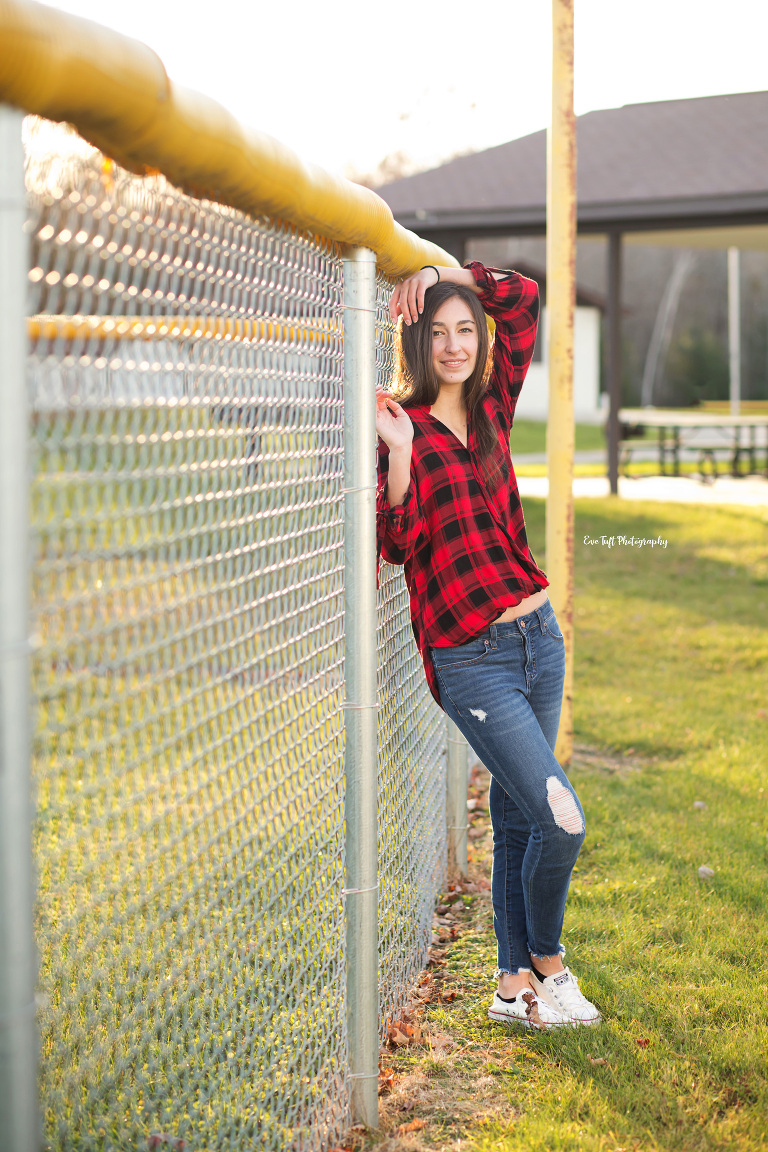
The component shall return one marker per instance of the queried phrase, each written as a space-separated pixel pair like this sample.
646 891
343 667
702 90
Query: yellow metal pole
561 298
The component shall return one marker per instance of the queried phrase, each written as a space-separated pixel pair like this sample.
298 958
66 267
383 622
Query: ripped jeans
504 692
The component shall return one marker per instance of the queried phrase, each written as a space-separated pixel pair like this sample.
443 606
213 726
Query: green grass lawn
531 436
671 711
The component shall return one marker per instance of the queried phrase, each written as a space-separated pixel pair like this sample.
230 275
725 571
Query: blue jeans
504 692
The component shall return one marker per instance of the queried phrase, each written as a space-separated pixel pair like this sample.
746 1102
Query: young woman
448 509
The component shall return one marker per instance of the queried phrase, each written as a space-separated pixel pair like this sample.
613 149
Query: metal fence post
456 800
18 1047
360 677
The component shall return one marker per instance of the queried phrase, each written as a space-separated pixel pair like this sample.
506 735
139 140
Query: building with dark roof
694 166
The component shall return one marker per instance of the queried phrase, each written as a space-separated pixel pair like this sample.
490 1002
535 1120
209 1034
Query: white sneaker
561 992
528 1010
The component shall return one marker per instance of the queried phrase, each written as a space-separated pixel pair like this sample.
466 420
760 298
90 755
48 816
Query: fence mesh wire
412 777
186 436
188 599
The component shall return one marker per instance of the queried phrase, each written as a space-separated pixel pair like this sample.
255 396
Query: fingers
384 401
394 302
410 307
407 299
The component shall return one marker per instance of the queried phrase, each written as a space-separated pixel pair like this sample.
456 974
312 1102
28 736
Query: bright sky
347 82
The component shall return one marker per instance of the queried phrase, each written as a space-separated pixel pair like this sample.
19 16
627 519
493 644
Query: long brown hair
415 382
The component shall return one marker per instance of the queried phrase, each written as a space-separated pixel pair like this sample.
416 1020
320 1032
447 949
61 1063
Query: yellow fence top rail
115 91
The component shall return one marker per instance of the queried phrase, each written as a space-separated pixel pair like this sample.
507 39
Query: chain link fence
412 778
186 416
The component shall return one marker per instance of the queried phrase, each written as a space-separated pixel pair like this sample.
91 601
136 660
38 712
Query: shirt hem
497 611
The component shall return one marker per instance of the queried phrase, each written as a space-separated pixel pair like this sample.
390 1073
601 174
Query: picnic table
702 432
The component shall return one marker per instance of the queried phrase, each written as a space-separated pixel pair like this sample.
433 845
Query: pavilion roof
663 164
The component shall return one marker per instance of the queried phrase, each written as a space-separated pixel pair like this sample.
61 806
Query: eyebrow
442 323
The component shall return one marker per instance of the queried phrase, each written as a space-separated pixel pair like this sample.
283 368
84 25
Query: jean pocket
463 656
552 627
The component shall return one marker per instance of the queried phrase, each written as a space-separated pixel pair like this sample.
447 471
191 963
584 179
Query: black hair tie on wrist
424 268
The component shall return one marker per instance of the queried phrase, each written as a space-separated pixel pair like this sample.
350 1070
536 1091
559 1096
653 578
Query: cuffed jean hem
560 951
506 972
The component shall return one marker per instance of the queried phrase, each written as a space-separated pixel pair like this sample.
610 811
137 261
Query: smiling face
454 342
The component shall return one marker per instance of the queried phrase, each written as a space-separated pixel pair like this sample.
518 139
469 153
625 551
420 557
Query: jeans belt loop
492 631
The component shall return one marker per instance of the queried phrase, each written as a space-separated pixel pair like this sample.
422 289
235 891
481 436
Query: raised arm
512 302
407 298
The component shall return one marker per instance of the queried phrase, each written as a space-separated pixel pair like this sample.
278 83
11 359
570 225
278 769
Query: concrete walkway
749 490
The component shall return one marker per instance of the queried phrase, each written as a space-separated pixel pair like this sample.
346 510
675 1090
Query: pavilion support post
613 358
734 330
561 303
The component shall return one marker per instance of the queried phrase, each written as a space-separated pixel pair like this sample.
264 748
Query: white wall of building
534 399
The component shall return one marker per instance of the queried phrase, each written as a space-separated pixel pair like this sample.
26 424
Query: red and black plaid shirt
464 548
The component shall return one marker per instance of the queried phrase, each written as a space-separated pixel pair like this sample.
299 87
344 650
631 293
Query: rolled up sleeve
398 528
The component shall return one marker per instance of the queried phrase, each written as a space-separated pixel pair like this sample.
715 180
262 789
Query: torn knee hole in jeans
564 807
478 712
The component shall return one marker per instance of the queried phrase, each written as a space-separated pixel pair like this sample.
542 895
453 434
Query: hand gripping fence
214 678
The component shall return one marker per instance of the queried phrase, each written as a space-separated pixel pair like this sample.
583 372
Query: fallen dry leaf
401 1034
411 1126
440 1040
162 1139
597 1060
643 1043
397 1038
449 997
532 1011
386 1080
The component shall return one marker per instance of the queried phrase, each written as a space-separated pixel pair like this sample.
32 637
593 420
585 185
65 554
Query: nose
452 343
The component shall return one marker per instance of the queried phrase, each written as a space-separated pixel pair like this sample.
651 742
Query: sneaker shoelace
569 995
